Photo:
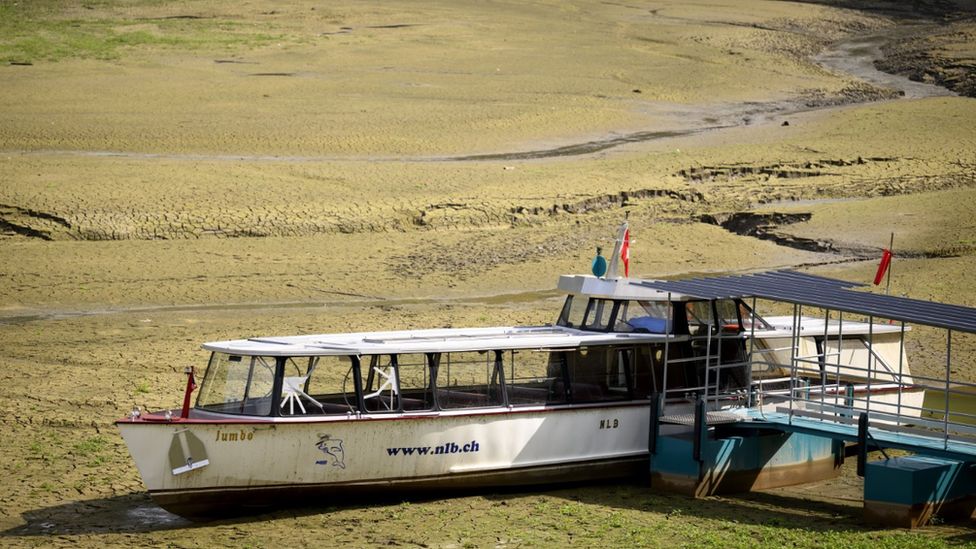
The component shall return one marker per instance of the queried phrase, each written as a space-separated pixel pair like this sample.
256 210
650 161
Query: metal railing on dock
829 378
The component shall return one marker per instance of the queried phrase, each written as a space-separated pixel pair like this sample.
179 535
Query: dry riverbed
179 172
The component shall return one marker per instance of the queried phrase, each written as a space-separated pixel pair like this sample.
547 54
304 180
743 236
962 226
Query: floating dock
766 439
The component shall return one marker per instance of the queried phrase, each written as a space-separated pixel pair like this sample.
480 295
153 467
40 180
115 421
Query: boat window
415 385
573 310
469 380
728 315
598 314
237 384
533 377
647 368
699 317
598 374
379 382
750 319
643 316
318 385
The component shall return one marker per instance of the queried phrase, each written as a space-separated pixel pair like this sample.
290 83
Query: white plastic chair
291 392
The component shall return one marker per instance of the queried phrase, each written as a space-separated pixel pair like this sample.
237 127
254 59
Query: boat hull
269 464
218 502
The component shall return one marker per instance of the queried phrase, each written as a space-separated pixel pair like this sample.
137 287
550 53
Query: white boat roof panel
614 288
430 341
812 326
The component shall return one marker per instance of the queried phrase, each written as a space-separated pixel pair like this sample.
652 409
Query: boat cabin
612 342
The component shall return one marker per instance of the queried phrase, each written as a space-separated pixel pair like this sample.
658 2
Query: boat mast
615 256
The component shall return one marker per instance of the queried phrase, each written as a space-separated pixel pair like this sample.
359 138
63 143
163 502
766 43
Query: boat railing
842 379
826 387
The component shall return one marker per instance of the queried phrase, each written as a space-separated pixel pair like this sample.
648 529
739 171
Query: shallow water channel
856 55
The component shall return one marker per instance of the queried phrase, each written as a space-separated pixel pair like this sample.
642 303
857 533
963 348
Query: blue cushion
651 324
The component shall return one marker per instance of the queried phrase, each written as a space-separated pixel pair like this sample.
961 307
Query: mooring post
701 429
948 373
752 342
862 443
795 344
849 398
655 423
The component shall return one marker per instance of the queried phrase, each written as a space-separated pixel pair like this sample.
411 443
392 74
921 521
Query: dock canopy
823 292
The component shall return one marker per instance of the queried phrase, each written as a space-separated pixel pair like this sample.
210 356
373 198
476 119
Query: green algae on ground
33 32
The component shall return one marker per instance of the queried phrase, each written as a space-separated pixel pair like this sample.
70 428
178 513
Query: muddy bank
931 10
263 173
940 54
772 227
765 226
934 43
927 225
866 56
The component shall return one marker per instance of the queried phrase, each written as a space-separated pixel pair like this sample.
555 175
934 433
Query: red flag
625 252
883 266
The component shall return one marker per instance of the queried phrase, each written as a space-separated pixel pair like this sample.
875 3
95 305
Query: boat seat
292 393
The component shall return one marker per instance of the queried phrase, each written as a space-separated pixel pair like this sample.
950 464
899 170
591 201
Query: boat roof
617 288
430 341
813 326
787 286
826 293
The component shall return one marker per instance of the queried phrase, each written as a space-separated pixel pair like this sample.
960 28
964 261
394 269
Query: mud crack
765 226
17 221
603 202
791 170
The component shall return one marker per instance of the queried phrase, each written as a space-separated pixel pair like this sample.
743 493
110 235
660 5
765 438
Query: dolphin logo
332 448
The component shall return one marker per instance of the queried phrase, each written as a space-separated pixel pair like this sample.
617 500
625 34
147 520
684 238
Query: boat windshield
643 316
598 314
586 314
573 310
242 384
236 384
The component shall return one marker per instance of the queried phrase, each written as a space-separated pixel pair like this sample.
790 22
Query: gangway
839 389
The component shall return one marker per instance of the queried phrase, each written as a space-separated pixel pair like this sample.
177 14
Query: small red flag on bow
625 252
883 266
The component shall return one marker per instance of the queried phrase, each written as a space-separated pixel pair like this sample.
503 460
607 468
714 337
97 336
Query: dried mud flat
182 172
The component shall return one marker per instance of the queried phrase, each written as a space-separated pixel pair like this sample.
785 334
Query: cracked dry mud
215 171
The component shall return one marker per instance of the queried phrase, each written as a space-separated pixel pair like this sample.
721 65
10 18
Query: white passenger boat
280 420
